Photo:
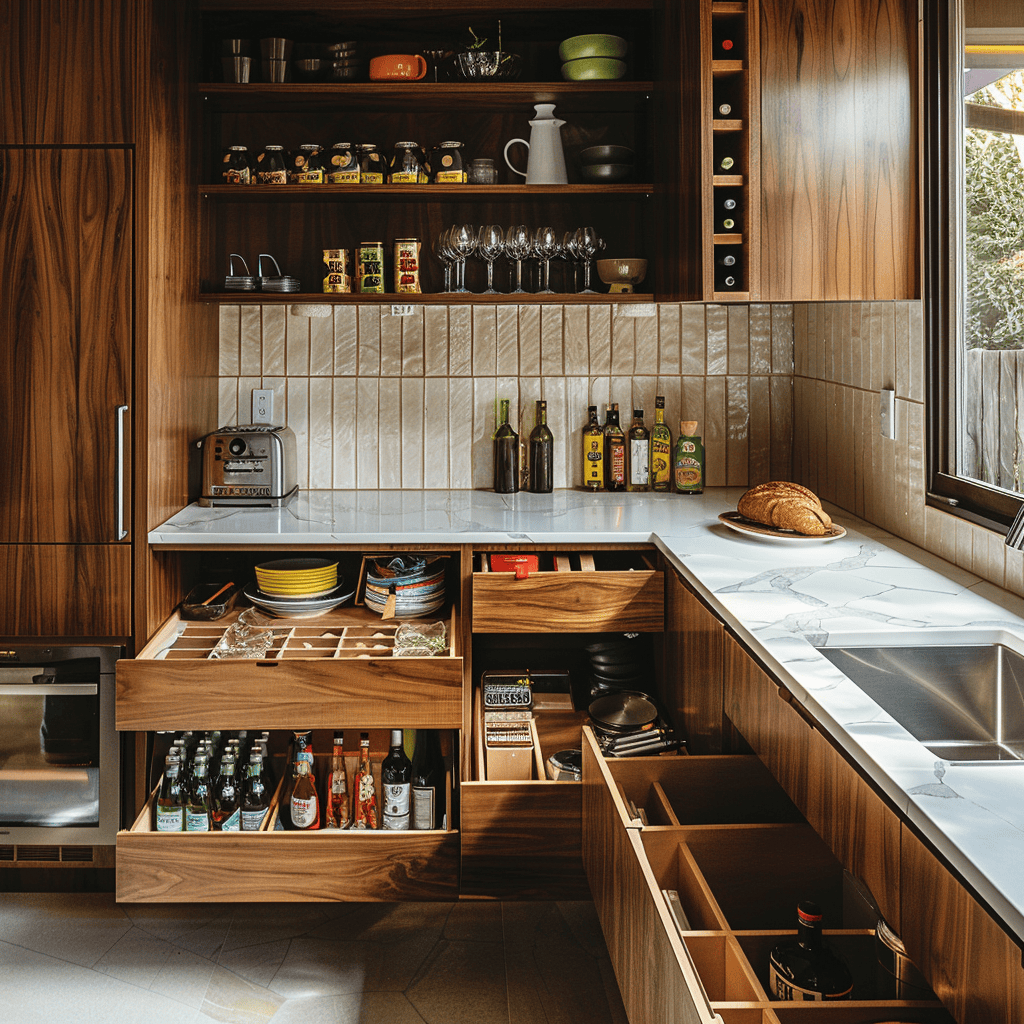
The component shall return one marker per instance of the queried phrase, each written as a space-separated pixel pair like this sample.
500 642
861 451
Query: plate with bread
780 510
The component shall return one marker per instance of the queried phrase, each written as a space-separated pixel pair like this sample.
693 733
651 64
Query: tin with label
370 268
338 279
407 265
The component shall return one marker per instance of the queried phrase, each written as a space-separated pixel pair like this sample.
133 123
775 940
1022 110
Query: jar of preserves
448 164
482 172
407 265
342 165
370 268
306 166
272 166
408 165
236 166
371 165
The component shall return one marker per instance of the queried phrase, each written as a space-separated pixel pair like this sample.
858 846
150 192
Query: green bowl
593 69
595 44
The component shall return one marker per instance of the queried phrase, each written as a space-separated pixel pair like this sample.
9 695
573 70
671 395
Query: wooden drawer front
521 840
569 602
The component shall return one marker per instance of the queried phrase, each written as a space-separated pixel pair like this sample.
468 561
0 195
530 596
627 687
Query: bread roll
787 506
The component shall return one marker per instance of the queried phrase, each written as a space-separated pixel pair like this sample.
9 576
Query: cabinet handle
788 698
119 529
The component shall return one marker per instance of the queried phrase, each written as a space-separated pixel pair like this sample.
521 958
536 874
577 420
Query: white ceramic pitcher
546 163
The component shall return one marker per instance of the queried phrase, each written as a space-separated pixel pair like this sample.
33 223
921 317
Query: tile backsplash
384 401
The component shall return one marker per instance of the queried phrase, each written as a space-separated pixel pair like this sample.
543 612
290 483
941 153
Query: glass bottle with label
226 810
396 782
428 798
805 969
304 807
306 166
593 452
614 451
272 166
661 449
197 810
364 795
542 444
170 801
688 468
236 167
337 811
255 796
408 165
448 164
371 165
506 453
342 165
639 454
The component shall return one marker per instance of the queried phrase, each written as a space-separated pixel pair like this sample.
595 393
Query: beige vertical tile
717 340
508 341
760 451
918 470
1013 567
801 342
826 355
555 392
321 345
460 341
389 433
483 420
229 340
485 341
435 340
577 398
321 433
250 362
346 341
525 392
600 394
368 415
671 387
901 336
760 338
577 348
883 313
860 361
841 340
413 343
812 366
848 477
782 338
346 415
902 484
390 343
622 392
623 345
715 432
645 330
915 330
368 320
297 389
436 438
551 341
669 352
801 462
738 358
599 337
296 345
692 405
940 532
227 401
781 428
529 341
964 533
279 385
693 339
737 451
645 390
860 466
273 359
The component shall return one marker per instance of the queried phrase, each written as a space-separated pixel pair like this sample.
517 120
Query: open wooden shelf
413 193
421 298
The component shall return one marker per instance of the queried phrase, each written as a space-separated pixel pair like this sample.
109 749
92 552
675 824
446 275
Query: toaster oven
250 465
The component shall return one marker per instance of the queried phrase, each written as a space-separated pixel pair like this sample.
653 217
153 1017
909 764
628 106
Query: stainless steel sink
964 703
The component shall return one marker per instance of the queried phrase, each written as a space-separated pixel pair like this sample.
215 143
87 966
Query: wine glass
587 246
568 252
489 243
444 252
545 246
517 249
463 242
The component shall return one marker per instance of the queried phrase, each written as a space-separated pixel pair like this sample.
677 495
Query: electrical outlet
262 405
887 413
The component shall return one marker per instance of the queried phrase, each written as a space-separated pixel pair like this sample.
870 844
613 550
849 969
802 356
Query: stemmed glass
489 243
587 246
517 249
567 251
463 242
444 252
545 246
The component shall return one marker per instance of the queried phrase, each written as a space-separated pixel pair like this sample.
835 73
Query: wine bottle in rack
727 270
727 216
725 43
725 164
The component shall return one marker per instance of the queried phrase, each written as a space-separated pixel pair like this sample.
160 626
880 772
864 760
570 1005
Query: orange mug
396 67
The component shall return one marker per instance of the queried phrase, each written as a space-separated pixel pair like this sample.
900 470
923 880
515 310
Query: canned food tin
370 268
407 265
338 279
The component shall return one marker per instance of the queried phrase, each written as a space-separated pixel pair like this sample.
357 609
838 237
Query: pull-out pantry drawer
577 592
725 839
337 669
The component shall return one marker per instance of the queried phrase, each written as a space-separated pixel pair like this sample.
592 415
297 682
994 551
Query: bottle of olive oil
689 460
639 454
661 449
593 452
614 451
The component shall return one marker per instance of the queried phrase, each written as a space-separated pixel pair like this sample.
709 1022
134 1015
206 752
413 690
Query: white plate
751 529
297 609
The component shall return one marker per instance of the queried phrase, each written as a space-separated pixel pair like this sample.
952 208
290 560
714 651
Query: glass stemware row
456 244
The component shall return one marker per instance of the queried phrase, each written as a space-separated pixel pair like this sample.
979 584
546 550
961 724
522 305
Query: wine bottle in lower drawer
805 968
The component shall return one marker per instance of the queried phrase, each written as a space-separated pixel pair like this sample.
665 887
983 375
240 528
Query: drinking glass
444 252
489 244
545 247
517 249
463 241
568 252
587 246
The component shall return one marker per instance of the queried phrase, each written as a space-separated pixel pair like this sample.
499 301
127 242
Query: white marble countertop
782 599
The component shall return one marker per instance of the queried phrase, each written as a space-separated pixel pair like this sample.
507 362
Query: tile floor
81 957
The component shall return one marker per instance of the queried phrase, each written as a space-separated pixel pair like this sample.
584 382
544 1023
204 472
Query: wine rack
730 125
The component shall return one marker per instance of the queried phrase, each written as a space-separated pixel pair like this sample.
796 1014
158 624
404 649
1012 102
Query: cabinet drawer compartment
608 591
335 671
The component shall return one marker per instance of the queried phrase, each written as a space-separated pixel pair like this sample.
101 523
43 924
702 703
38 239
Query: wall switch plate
887 413
262 405
401 310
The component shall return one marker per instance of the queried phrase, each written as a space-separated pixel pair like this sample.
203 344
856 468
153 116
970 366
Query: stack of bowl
604 164
417 583
593 58
298 587
344 62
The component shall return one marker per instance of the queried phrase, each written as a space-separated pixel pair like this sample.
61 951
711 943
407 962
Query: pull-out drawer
738 882
577 592
333 670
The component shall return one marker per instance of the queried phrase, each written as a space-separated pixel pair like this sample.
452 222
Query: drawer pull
788 698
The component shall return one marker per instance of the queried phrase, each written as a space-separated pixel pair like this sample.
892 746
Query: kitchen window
974 238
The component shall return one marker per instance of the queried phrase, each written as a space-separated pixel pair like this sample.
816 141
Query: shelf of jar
417 193
430 298
395 8
403 96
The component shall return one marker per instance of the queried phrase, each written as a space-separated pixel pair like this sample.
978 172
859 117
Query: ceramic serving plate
747 526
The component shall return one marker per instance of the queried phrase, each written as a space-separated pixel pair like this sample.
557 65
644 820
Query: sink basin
964 703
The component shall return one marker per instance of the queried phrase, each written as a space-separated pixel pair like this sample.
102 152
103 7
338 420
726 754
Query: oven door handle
48 689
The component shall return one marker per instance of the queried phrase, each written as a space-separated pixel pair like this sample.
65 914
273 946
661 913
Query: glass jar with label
306 166
272 166
342 165
236 166
448 164
482 171
371 165
408 165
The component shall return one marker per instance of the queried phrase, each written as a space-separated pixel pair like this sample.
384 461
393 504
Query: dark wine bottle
506 453
396 783
805 969
428 795
542 444
727 216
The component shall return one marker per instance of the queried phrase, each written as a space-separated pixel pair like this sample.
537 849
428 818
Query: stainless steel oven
59 752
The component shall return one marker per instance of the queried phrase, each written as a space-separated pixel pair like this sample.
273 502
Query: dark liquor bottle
428 803
396 782
593 452
255 796
337 806
661 449
304 807
170 801
506 453
805 968
639 454
542 445
614 451
197 809
226 812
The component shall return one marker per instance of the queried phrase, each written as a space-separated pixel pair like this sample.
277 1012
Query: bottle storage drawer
738 885
583 592
336 668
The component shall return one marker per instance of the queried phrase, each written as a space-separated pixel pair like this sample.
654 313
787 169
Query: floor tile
185 977
233 1000
265 922
365 1008
462 983
474 921
327 967
258 963
136 958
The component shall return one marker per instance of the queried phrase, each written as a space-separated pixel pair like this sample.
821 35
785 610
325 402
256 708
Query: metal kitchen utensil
274 283
623 712
238 282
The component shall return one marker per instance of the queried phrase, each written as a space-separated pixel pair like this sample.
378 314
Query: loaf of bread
787 506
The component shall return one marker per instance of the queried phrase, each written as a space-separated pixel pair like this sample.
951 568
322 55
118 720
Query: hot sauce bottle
364 796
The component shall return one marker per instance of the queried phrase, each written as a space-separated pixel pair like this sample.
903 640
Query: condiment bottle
593 452
689 460
614 451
